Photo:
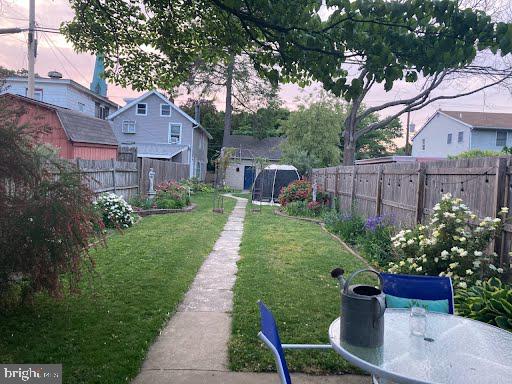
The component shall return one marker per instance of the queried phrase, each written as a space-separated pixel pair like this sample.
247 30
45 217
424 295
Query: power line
51 43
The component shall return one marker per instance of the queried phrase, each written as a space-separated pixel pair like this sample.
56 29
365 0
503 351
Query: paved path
193 346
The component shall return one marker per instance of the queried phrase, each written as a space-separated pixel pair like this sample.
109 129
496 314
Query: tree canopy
361 44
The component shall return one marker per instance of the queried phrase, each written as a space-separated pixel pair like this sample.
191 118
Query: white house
452 132
64 93
161 130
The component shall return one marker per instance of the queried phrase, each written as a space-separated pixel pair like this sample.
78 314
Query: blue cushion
430 305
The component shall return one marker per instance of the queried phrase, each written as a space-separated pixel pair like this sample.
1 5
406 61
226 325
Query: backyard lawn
102 335
287 264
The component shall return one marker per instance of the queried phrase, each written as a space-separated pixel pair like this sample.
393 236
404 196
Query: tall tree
315 134
244 89
148 43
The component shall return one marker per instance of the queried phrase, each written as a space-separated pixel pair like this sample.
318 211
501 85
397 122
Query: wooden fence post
378 195
114 175
420 192
499 199
353 191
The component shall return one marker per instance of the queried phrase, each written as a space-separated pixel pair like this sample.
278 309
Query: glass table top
454 350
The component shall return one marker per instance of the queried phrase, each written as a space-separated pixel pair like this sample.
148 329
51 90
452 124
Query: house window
198 169
101 112
174 136
38 93
165 110
142 109
81 106
460 137
422 144
128 126
449 139
501 138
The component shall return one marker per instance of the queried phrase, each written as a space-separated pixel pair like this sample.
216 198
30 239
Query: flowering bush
299 190
197 185
375 242
171 195
116 212
302 208
448 245
349 228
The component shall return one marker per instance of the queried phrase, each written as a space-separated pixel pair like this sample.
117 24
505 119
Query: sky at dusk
54 53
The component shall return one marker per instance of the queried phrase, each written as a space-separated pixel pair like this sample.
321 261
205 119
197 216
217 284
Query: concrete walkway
193 346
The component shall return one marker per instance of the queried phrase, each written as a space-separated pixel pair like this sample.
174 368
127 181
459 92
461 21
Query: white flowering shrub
448 245
116 212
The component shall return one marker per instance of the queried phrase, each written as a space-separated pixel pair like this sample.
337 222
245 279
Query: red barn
76 135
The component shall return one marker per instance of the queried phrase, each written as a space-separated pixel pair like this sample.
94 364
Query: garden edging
159 211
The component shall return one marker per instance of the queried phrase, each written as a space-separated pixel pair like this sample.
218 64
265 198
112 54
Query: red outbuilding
76 134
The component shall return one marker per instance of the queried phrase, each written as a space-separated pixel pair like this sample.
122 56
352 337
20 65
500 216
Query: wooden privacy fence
407 192
119 177
164 171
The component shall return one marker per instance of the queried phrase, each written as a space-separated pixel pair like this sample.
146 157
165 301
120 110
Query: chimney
197 112
54 75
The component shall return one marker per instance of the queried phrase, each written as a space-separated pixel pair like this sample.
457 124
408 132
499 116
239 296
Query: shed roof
158 151
78 126
250 147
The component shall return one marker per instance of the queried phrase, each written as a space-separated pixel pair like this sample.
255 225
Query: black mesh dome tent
271 180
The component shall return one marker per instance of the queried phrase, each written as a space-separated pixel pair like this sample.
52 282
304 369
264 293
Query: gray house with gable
161 130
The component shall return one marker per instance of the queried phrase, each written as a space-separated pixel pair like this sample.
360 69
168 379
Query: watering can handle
354 274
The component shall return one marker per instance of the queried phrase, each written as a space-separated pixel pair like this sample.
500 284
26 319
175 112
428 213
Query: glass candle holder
418 321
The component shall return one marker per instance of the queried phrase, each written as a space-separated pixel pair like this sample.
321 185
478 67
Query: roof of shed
160 151
250 147
78 126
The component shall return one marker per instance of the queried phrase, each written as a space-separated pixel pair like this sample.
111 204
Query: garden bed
158 211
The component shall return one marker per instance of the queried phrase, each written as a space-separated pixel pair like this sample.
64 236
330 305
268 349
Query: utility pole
32 44
407 151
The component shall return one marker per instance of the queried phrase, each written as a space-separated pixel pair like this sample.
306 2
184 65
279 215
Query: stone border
335 237
158 211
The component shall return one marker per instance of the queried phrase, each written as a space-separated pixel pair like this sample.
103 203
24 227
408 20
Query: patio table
454 350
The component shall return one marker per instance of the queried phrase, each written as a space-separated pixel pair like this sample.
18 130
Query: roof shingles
482 119
249 147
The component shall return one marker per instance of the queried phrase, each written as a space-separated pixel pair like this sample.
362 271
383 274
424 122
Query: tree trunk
349 141
229 94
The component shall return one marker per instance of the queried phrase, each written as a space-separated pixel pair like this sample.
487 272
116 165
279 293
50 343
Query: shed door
248 176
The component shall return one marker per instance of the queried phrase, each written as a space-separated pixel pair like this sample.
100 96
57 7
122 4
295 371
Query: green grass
102 335
287 264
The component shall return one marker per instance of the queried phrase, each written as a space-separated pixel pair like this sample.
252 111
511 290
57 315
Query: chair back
271 338
419 287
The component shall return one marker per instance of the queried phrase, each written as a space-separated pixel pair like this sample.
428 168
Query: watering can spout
337 273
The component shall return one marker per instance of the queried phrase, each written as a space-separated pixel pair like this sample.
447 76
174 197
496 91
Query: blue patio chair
419 287
270 336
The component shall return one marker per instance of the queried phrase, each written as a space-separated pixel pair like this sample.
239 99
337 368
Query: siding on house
485 139
64 93
435 133
154 129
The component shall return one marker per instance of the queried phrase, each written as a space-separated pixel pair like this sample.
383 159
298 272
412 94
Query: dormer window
142 109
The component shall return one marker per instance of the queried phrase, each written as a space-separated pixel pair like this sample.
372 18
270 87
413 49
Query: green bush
376 245
349 228
141 203
171 195
473 153
197 185
490 302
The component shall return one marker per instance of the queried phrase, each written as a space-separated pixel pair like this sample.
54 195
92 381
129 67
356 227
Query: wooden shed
76 134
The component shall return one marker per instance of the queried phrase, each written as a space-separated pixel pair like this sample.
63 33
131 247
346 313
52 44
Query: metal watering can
362 311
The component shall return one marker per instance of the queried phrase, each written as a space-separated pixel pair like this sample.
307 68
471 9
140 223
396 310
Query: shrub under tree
47 221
